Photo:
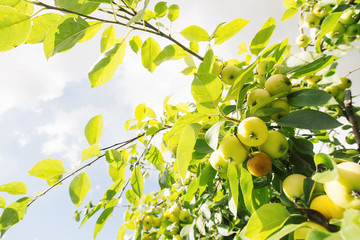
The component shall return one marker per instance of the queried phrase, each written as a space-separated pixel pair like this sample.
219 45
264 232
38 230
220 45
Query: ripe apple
321 10
260 164
345 191
349 16
185 216
232 150
345 83
293 185
302 40
262 67
228 74
338 31
311 20
332 90
217 162
276 145
280 103
327 207
257 95
147 222
302 232
352 30
252 131
278 83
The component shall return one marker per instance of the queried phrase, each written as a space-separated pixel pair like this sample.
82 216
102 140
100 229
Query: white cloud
22 138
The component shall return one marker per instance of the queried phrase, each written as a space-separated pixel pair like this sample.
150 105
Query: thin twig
351 116
350 72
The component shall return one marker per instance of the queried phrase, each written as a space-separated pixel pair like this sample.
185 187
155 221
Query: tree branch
350 72
351 116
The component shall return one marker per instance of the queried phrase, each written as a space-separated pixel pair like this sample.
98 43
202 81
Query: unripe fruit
302 40
327 207
228 74
345 83
232 150
338 31
257 95
147 222
333 90
252 131
262 67
352 30
293 186
321 10
217 162
302 232
156 222
349 16
311 20
276 145
259 165
185 216
278 83
280 103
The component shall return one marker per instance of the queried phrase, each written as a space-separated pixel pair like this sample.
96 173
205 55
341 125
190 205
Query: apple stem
355 193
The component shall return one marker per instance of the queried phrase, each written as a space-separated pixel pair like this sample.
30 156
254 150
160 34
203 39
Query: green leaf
160 9
206 66
308 97
94 27
331 172
79 188
64 35
247 186
132 197
212 135
227 31
10 3
350 227
117 163
305 63
14 188
108 63
13 214
78 6
94 129
285 231
327 25
186 147
242 48
170 52
92 212
14 28
41 25
309 119
289 13
149 51
207 176
113 189
173 12
234 183
135 43
262 38
192 189
109 208
195 33
153 155
137 181
2 202
47 169
89 152
265 221
108 38
206 90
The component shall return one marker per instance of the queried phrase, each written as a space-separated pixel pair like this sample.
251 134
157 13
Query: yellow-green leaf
41 25
90 32
14 28
149 51
160 9
108 63
108 38
227 31
289 13
135 43
94 129
2 202
262 38
14 188
195 33
79 6
170 52
92 151
79 188
242 48
137 181
173 12
47 169
109 208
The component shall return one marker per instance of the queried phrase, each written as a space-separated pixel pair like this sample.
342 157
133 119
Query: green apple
260 79
311 20
324 205
345 83
340 97
349 39
280 103
147 222
352 30
252 131
257 95
259 164
349 16
217 162
232 150
228 74
337 32
302 40
185 216
277 67
175 209
345 191
278 83
321 10
302 232
156 222
350 138
262 67
276 145
293 186
333 90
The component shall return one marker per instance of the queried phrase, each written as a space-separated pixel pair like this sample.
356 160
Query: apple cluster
346 30
254 143
329 199
171 221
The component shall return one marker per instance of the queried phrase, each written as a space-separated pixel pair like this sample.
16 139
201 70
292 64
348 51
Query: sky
45 105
